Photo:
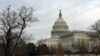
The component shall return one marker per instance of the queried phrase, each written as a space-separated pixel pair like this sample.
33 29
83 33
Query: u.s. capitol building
69 39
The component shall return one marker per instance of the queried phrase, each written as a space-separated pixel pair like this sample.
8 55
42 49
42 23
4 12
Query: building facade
70 40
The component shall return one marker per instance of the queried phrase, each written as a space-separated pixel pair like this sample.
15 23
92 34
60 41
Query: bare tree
96 26
13 22
60 50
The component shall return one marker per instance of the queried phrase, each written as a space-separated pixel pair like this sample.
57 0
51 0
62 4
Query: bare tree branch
12 21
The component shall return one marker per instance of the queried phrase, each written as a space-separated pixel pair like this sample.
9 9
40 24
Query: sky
78 14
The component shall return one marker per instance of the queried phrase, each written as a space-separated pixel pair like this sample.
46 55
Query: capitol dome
59 28
60 24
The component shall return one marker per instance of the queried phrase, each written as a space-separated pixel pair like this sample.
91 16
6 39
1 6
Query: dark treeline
31 49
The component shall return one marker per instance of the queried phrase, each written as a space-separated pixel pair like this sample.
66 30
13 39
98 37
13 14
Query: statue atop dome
60 14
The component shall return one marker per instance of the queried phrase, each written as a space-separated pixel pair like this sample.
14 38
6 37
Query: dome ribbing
60 24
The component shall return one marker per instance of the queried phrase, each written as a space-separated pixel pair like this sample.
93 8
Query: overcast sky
79 14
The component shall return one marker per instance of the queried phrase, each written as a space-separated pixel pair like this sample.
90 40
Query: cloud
87 18
78 14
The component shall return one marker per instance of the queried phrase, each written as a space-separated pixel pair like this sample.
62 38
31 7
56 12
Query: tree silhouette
43 49
60 50
12 22
31 49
